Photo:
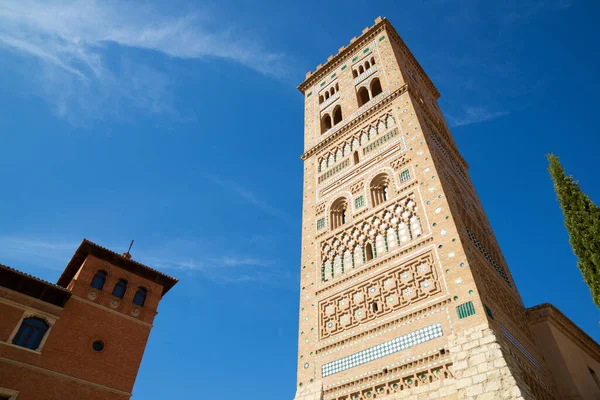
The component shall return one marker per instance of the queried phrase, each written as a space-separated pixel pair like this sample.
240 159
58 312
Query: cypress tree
582 219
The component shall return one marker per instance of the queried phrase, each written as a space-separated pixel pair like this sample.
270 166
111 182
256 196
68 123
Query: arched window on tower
337 115
337 87
354 73
356 157
368 252
321 99
332 91
120 288
325 123
379 189
363 96
99 280
31 332
337 215
372 60
326 95
375 87
367 65
140 297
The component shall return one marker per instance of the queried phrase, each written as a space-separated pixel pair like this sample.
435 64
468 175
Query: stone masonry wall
483 366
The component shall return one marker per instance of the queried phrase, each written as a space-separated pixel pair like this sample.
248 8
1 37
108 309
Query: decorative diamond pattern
383 349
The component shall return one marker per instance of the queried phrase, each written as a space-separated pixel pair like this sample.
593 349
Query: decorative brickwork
385 230
399 287
362 138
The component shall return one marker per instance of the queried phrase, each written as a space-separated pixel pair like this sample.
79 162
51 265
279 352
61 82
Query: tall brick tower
404 289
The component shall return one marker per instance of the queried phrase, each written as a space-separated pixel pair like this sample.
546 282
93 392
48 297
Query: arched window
360 69
332 90
120 287
375 87
326 95
363 96
379 189
31 332
99 279
337 115
337 87
354 73
321 100
338 213
325 123
372 60
140 297
368 252
367 65
355 157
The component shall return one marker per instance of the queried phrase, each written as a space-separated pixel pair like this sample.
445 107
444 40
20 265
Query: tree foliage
582 219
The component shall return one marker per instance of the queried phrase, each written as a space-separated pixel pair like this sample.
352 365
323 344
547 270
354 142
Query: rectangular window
321 223
405 176
359 202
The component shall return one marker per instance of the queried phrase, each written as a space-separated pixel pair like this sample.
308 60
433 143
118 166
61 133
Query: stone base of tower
483 365
480 366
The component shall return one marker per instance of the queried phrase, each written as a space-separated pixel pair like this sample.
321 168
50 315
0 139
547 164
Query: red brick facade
64 365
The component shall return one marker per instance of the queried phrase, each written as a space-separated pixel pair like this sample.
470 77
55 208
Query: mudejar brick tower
404 289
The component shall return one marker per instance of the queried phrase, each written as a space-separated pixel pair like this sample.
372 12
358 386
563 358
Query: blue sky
180 126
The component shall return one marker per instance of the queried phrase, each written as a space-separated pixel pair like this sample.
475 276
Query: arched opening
360 69
99 280
375 87
321 100
332 91
374 307
354 73
363 96
379 189
140 297
337 115
325 123
372 60
368 252
31 332
367 65
337 87
356 157
337 214
326 95
120 288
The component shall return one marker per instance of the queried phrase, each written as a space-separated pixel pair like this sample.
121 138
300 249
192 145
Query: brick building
404 291
82 338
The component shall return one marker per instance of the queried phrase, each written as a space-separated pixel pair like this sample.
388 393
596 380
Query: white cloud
248 196
212 261
473 115
20 250
71 40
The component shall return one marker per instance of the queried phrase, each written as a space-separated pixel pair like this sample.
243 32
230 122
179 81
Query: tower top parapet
368 33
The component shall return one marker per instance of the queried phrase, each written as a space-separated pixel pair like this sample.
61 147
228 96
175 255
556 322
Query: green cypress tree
582 219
